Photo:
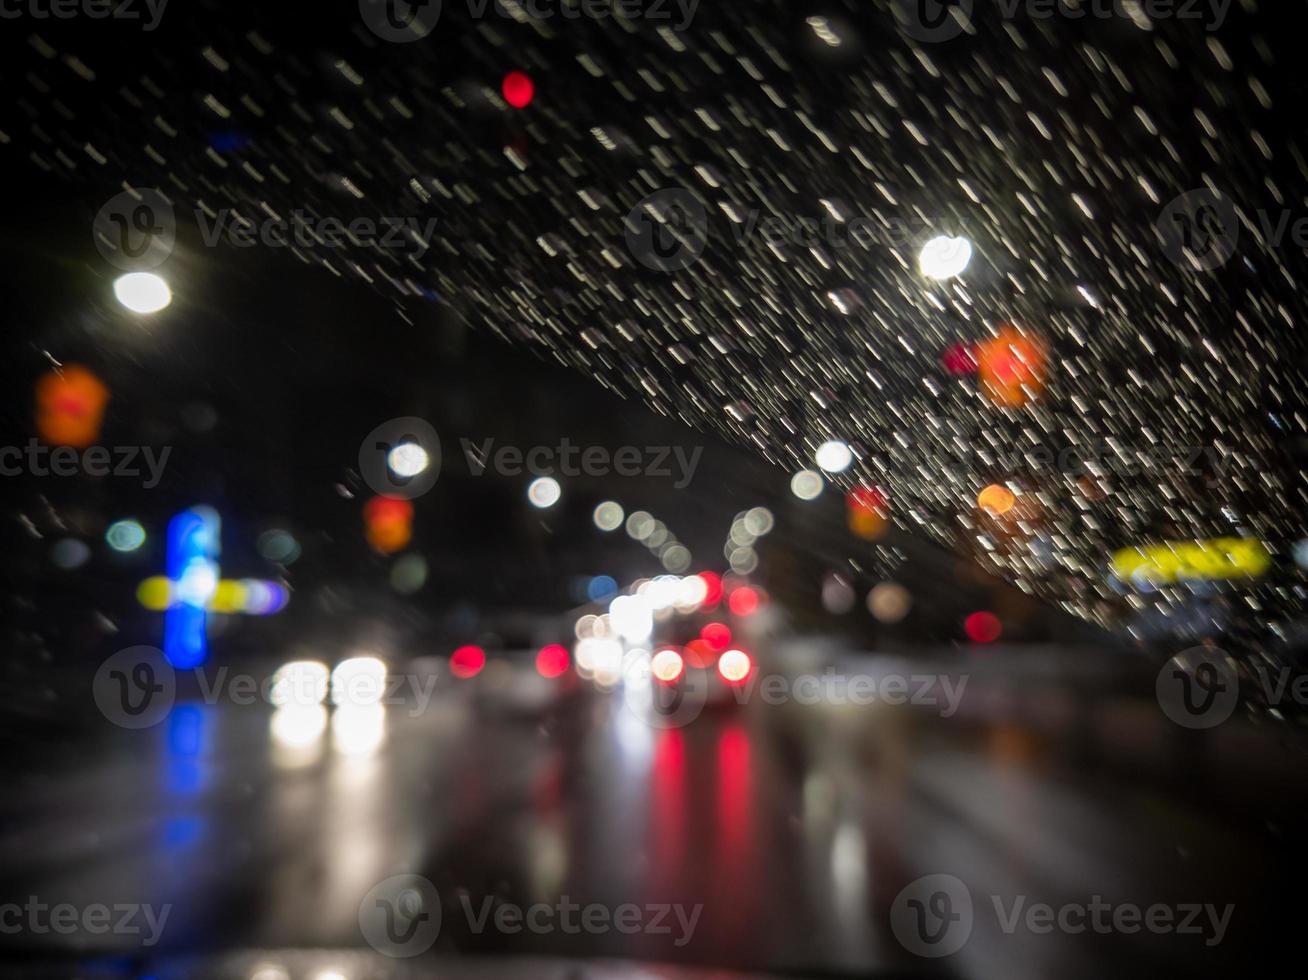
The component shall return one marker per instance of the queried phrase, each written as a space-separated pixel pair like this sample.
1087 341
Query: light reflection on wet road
794 826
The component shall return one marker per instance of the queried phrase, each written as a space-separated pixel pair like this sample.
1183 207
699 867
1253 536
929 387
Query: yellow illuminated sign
1223 558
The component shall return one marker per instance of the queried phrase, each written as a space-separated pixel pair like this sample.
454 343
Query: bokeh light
983 627
996 500
142 292
70 404
667 665
806 484
552 660
518 89
125 535
833 456
467 661
889 602
1011 368
302 683
407 460
358 681
544 491
743 601
944 257
608 515
734 666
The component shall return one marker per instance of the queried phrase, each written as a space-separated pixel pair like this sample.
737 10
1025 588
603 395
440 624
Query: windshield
642 486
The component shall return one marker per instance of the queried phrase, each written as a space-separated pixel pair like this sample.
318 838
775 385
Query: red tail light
467 661
552 660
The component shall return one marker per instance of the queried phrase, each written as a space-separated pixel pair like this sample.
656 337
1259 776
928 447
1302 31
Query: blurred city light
806 484
944 257
467 661
743 601
544 492
601 587
734 666
358 681
833 456
640 525
983 627
298 726
518 89
302 683
632 618
409 574
889 602
552 660
358 729
388 524
70 404
716 635
192 569
408 459
142 292
865 507
279 546
1011 368
712 588
608 515
838 595
996 500
125 535
666 665
69 553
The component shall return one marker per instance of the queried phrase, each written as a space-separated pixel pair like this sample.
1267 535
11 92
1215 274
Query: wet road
779 834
